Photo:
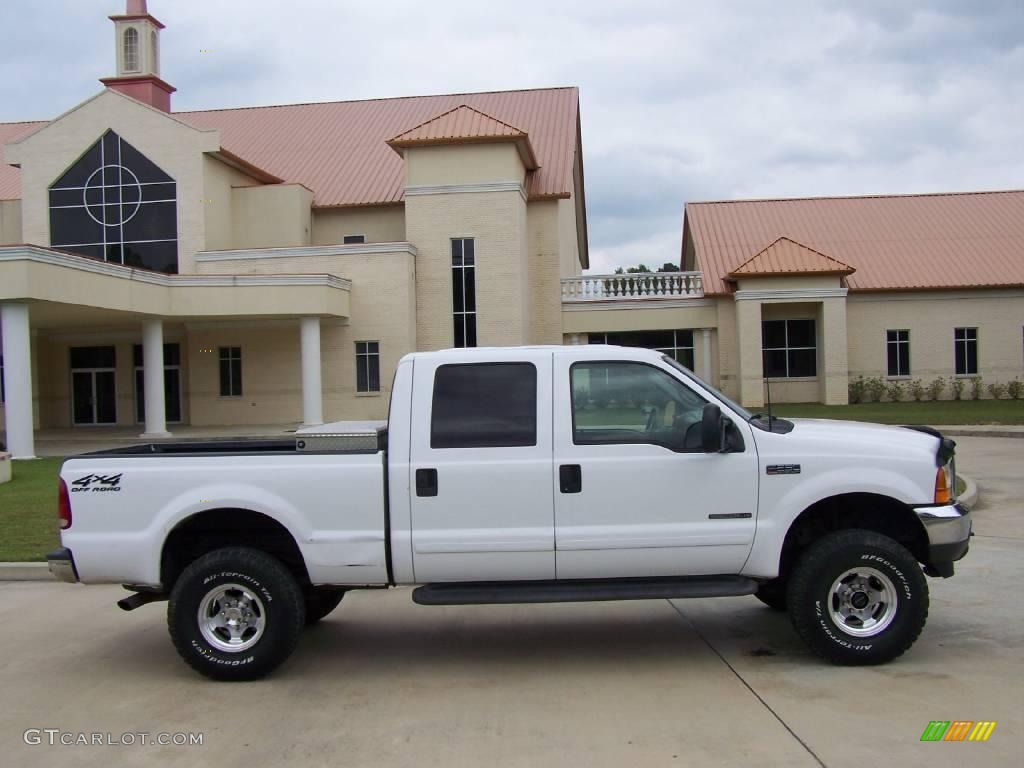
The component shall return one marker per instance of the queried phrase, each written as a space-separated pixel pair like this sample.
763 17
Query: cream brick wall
271 216
727 334
177 148
568 238
497 222
931 318
10 222
544 244
219 202
463 164
383 309
379 223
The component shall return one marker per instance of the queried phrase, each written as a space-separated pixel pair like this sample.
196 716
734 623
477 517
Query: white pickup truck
519 475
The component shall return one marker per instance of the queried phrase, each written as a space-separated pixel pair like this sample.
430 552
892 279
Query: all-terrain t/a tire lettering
235 614
857 597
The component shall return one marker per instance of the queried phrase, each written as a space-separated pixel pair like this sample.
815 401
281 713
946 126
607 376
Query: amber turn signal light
943 492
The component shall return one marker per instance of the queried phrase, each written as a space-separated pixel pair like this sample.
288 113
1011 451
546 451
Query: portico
63 317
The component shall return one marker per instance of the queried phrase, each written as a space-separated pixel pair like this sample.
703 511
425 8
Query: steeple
137 55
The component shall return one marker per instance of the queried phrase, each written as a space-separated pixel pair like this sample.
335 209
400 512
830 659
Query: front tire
235 614
857 597
773 594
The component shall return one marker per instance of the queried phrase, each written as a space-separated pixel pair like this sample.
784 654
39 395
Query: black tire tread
821 553
320 603
240 559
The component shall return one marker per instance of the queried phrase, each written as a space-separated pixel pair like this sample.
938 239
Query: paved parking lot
383 682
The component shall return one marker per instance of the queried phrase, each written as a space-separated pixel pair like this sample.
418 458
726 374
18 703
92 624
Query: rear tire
857 597
773 594
235 614
320 602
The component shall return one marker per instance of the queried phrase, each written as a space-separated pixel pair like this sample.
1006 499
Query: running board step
571 591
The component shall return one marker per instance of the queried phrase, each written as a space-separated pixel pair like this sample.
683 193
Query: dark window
230 371
172 355
897 344
116 205
790 349
93 357
676 344
484 405
619 402
351 239
367 366
131 50
3 387
464 292
965 345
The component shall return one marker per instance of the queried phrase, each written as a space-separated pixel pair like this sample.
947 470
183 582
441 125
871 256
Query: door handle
426 482
570 478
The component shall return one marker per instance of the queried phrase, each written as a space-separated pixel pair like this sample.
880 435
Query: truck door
634 493
481 468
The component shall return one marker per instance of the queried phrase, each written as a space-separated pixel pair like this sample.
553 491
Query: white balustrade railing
633 286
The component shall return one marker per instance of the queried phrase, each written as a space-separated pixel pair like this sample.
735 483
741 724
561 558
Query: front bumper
62 565
948 527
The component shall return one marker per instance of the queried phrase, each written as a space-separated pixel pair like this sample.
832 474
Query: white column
312 397
153 378
705 344
17 351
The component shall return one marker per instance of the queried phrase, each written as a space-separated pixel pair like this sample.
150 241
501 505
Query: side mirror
712 429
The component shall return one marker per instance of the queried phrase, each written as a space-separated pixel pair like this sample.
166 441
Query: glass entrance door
93 387
93 397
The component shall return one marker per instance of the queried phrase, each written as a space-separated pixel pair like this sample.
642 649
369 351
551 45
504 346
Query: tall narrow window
367 366
230 371
131 50
790 348
464 292
965 350
154 53
3 390
897 347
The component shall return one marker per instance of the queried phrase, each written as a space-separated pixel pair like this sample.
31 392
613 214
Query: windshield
739 409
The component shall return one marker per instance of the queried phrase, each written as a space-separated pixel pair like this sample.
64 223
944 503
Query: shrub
874 388
857 390
997 390
916 390
894 391
957 386
1015 389
935 388
976 387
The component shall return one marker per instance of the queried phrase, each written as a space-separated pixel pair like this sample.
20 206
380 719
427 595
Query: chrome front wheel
863 602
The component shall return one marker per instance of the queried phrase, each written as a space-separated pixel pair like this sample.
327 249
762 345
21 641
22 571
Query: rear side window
484 405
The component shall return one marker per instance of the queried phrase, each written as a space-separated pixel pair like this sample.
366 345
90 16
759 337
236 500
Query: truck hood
856 437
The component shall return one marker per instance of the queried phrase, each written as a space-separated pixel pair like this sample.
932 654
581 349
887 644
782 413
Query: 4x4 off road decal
97 483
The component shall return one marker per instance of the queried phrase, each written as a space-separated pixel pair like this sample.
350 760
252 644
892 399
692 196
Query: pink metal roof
787 257
463 124
339 149
899 242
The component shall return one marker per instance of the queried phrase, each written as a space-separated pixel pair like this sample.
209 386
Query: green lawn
930 413
28 511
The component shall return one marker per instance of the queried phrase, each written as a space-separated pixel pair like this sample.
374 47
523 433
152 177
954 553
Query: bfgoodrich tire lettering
873 565
281 612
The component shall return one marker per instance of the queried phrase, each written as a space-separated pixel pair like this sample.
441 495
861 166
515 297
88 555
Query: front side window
790 349
230 371
367 366
897 345
464 291
617 402
965 350
131 50
677 344
116 205
484 405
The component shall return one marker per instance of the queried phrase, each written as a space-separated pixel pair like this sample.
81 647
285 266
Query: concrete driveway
384 682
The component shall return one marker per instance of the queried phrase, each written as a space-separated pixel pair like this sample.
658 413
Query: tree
642 268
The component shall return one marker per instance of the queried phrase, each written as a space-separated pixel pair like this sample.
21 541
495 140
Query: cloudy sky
680 100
